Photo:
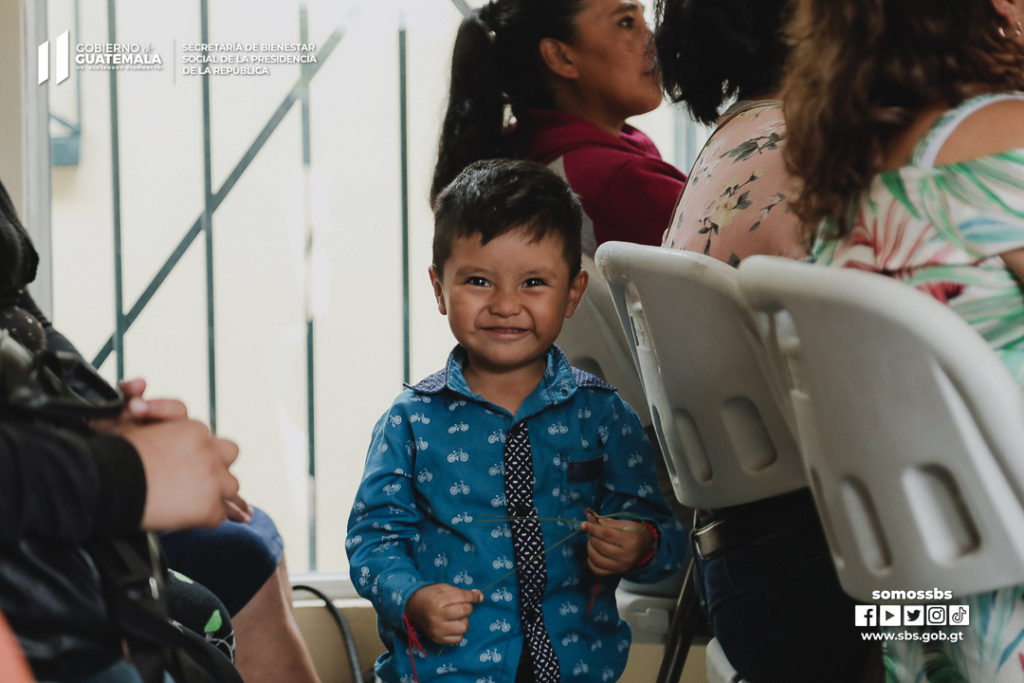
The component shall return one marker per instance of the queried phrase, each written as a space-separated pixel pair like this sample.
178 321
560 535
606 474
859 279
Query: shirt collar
559 382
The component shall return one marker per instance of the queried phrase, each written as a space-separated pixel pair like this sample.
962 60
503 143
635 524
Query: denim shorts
233 559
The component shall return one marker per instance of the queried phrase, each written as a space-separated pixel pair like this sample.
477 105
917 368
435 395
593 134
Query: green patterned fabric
941 229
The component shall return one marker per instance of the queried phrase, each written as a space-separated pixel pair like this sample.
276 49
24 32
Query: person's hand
188 481
441 611
615 545
138 410
237 509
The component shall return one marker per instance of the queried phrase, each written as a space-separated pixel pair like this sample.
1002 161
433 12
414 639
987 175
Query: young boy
505 495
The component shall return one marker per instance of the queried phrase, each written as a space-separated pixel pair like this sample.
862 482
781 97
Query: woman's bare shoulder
995 128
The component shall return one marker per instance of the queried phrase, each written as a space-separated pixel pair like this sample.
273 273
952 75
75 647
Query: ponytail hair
497 74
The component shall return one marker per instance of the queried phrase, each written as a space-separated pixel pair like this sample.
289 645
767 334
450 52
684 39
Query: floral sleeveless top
735 201
942 229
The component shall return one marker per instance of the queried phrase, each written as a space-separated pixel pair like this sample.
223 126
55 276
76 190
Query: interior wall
12 147
24 133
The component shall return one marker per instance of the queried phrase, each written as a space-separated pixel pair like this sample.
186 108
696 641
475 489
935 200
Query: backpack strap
133 572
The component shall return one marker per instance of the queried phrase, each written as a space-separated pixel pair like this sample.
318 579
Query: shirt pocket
582 477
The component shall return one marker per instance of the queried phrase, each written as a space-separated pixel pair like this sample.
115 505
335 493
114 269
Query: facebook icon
865 615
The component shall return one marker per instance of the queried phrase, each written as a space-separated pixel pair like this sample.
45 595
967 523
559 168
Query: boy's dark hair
495 196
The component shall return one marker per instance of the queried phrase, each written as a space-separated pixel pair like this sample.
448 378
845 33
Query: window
244 240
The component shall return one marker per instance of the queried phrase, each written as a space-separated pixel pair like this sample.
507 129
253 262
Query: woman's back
947 222
735 202
943 227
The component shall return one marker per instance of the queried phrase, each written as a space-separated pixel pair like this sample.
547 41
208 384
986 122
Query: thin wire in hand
564 520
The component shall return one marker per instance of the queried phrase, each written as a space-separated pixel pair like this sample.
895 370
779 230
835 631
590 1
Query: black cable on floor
346 630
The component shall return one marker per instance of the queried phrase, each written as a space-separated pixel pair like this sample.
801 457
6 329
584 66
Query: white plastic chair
912 430
592 340
724 436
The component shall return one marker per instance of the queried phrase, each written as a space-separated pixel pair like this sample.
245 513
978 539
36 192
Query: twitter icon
913 615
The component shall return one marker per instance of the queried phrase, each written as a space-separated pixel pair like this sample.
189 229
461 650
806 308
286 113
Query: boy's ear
576 290
557 57
435 282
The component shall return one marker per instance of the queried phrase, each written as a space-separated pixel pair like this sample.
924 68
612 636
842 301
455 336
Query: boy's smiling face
506 300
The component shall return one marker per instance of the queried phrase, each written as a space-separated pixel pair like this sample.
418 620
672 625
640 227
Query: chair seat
647 607
648 616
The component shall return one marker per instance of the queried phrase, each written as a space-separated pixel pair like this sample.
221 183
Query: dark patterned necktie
528 544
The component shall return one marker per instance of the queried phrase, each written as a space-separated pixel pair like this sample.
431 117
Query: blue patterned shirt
431 509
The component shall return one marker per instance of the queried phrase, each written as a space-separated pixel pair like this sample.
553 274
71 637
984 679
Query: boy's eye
477 281
534 282
627 22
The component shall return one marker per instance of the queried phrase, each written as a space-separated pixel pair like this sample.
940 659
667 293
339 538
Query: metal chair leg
681 631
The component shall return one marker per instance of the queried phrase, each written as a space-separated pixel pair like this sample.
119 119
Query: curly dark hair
711 50
860 73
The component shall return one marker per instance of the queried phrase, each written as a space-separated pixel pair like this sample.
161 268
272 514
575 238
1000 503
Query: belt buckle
708 541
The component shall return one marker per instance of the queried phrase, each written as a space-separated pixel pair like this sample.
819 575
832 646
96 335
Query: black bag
71 606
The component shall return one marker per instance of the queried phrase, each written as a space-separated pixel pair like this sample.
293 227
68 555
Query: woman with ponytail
554 81
906 134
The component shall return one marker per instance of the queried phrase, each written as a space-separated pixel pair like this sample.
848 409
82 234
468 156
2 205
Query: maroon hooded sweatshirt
627 191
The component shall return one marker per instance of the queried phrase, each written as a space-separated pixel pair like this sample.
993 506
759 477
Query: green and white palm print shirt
942 229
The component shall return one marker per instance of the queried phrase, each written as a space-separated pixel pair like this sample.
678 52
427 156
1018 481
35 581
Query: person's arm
995 128
62 486
635 492
1014 260
383 525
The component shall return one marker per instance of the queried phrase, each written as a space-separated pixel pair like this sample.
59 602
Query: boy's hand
441 612
615 545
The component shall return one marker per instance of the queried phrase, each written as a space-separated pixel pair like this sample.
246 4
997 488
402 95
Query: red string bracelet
414 642
655 536
593 593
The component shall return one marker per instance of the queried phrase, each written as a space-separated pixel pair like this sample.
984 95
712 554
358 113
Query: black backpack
71 606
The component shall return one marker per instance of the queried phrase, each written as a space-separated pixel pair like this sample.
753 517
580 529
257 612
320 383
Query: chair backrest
592 340
725 439
911 429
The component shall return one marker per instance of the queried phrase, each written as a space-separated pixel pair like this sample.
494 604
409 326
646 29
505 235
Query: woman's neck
571 101
611 125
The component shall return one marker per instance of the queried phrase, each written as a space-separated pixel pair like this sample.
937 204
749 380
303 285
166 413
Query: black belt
748 523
